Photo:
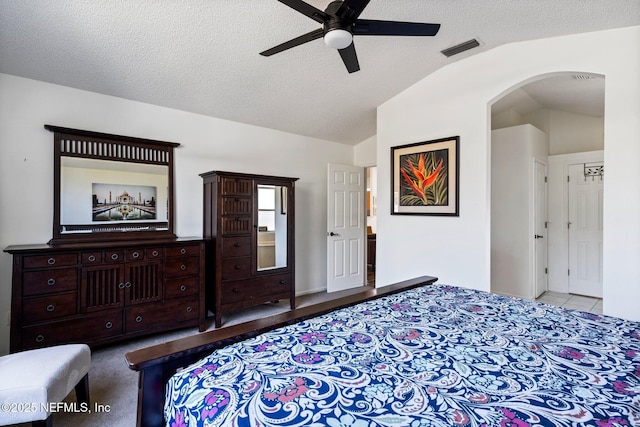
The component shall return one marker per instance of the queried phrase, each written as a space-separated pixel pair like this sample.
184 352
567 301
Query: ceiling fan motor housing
337 34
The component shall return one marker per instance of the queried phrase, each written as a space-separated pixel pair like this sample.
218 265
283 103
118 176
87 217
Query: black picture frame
425 178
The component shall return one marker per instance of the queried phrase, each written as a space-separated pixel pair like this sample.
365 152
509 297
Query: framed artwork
425 178
117 202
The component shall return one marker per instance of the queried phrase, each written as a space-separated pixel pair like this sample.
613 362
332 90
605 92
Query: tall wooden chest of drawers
232 228
99 293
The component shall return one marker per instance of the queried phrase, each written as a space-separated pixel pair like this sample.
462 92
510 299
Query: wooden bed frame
156 364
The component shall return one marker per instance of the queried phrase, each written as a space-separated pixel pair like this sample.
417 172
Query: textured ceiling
203 55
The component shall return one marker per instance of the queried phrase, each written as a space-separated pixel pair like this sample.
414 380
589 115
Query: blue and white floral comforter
433 356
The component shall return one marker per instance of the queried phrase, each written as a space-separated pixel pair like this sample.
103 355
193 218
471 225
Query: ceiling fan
340 23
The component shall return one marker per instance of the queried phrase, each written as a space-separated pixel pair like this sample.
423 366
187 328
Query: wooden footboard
156 364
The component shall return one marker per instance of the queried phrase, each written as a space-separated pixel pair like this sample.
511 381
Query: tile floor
576 302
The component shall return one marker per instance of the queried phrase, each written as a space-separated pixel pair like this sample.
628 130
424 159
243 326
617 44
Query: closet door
585 233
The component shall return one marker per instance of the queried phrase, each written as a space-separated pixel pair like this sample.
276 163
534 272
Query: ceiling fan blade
369 27
307 10
351 9
316 34
350 59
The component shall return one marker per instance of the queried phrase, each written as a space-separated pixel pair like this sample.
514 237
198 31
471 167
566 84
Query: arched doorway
566 110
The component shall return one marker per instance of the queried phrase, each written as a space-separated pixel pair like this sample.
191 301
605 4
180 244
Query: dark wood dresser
248 264
97 293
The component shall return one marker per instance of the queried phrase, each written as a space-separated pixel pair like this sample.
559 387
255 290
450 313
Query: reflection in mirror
112 193
106 186
272 227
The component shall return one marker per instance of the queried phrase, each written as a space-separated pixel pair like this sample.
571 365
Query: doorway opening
568 109
371 185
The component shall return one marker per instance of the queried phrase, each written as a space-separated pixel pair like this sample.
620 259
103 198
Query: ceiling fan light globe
338 38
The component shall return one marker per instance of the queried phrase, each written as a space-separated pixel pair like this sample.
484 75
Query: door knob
333 234
537 236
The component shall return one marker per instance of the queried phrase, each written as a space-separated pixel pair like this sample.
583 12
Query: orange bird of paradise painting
425 178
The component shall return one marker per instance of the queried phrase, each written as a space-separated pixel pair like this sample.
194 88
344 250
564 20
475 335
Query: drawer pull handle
237 267
282 282
108 325
237 245
236 290
136 255
127 285
154 253
50 308
183 288
114 256
183 267
120 285
51 261
189 309
92 258
183 251
40 338
51 282
139 319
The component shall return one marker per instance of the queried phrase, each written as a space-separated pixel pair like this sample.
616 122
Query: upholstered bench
34 383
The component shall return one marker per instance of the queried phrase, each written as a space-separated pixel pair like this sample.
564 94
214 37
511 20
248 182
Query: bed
412 355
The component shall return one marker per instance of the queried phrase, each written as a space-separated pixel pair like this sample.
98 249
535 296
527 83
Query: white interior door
585 233
345 227
540 228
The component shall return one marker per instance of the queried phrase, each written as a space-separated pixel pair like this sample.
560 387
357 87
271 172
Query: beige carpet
113 386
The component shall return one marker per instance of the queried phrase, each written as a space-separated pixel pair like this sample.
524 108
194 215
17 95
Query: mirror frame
102 146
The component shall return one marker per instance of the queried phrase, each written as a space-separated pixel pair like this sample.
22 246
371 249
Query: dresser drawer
153 253
78 330
236 225
263 288
52 260
236 246
135 254
49 307
186 250
236 186
49 281
235 206
177 267
114 256
159 315
91 257
176 288
236 268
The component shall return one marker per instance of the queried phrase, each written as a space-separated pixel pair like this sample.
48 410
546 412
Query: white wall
513 150
506 118
456 100
364 154
568 132
26 167
574 133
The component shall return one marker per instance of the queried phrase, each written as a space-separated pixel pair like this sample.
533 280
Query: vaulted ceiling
202 56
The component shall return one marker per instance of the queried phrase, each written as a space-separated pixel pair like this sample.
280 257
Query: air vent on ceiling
459 48
583 77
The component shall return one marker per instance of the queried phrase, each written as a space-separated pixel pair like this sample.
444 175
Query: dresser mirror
272 227
109 186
